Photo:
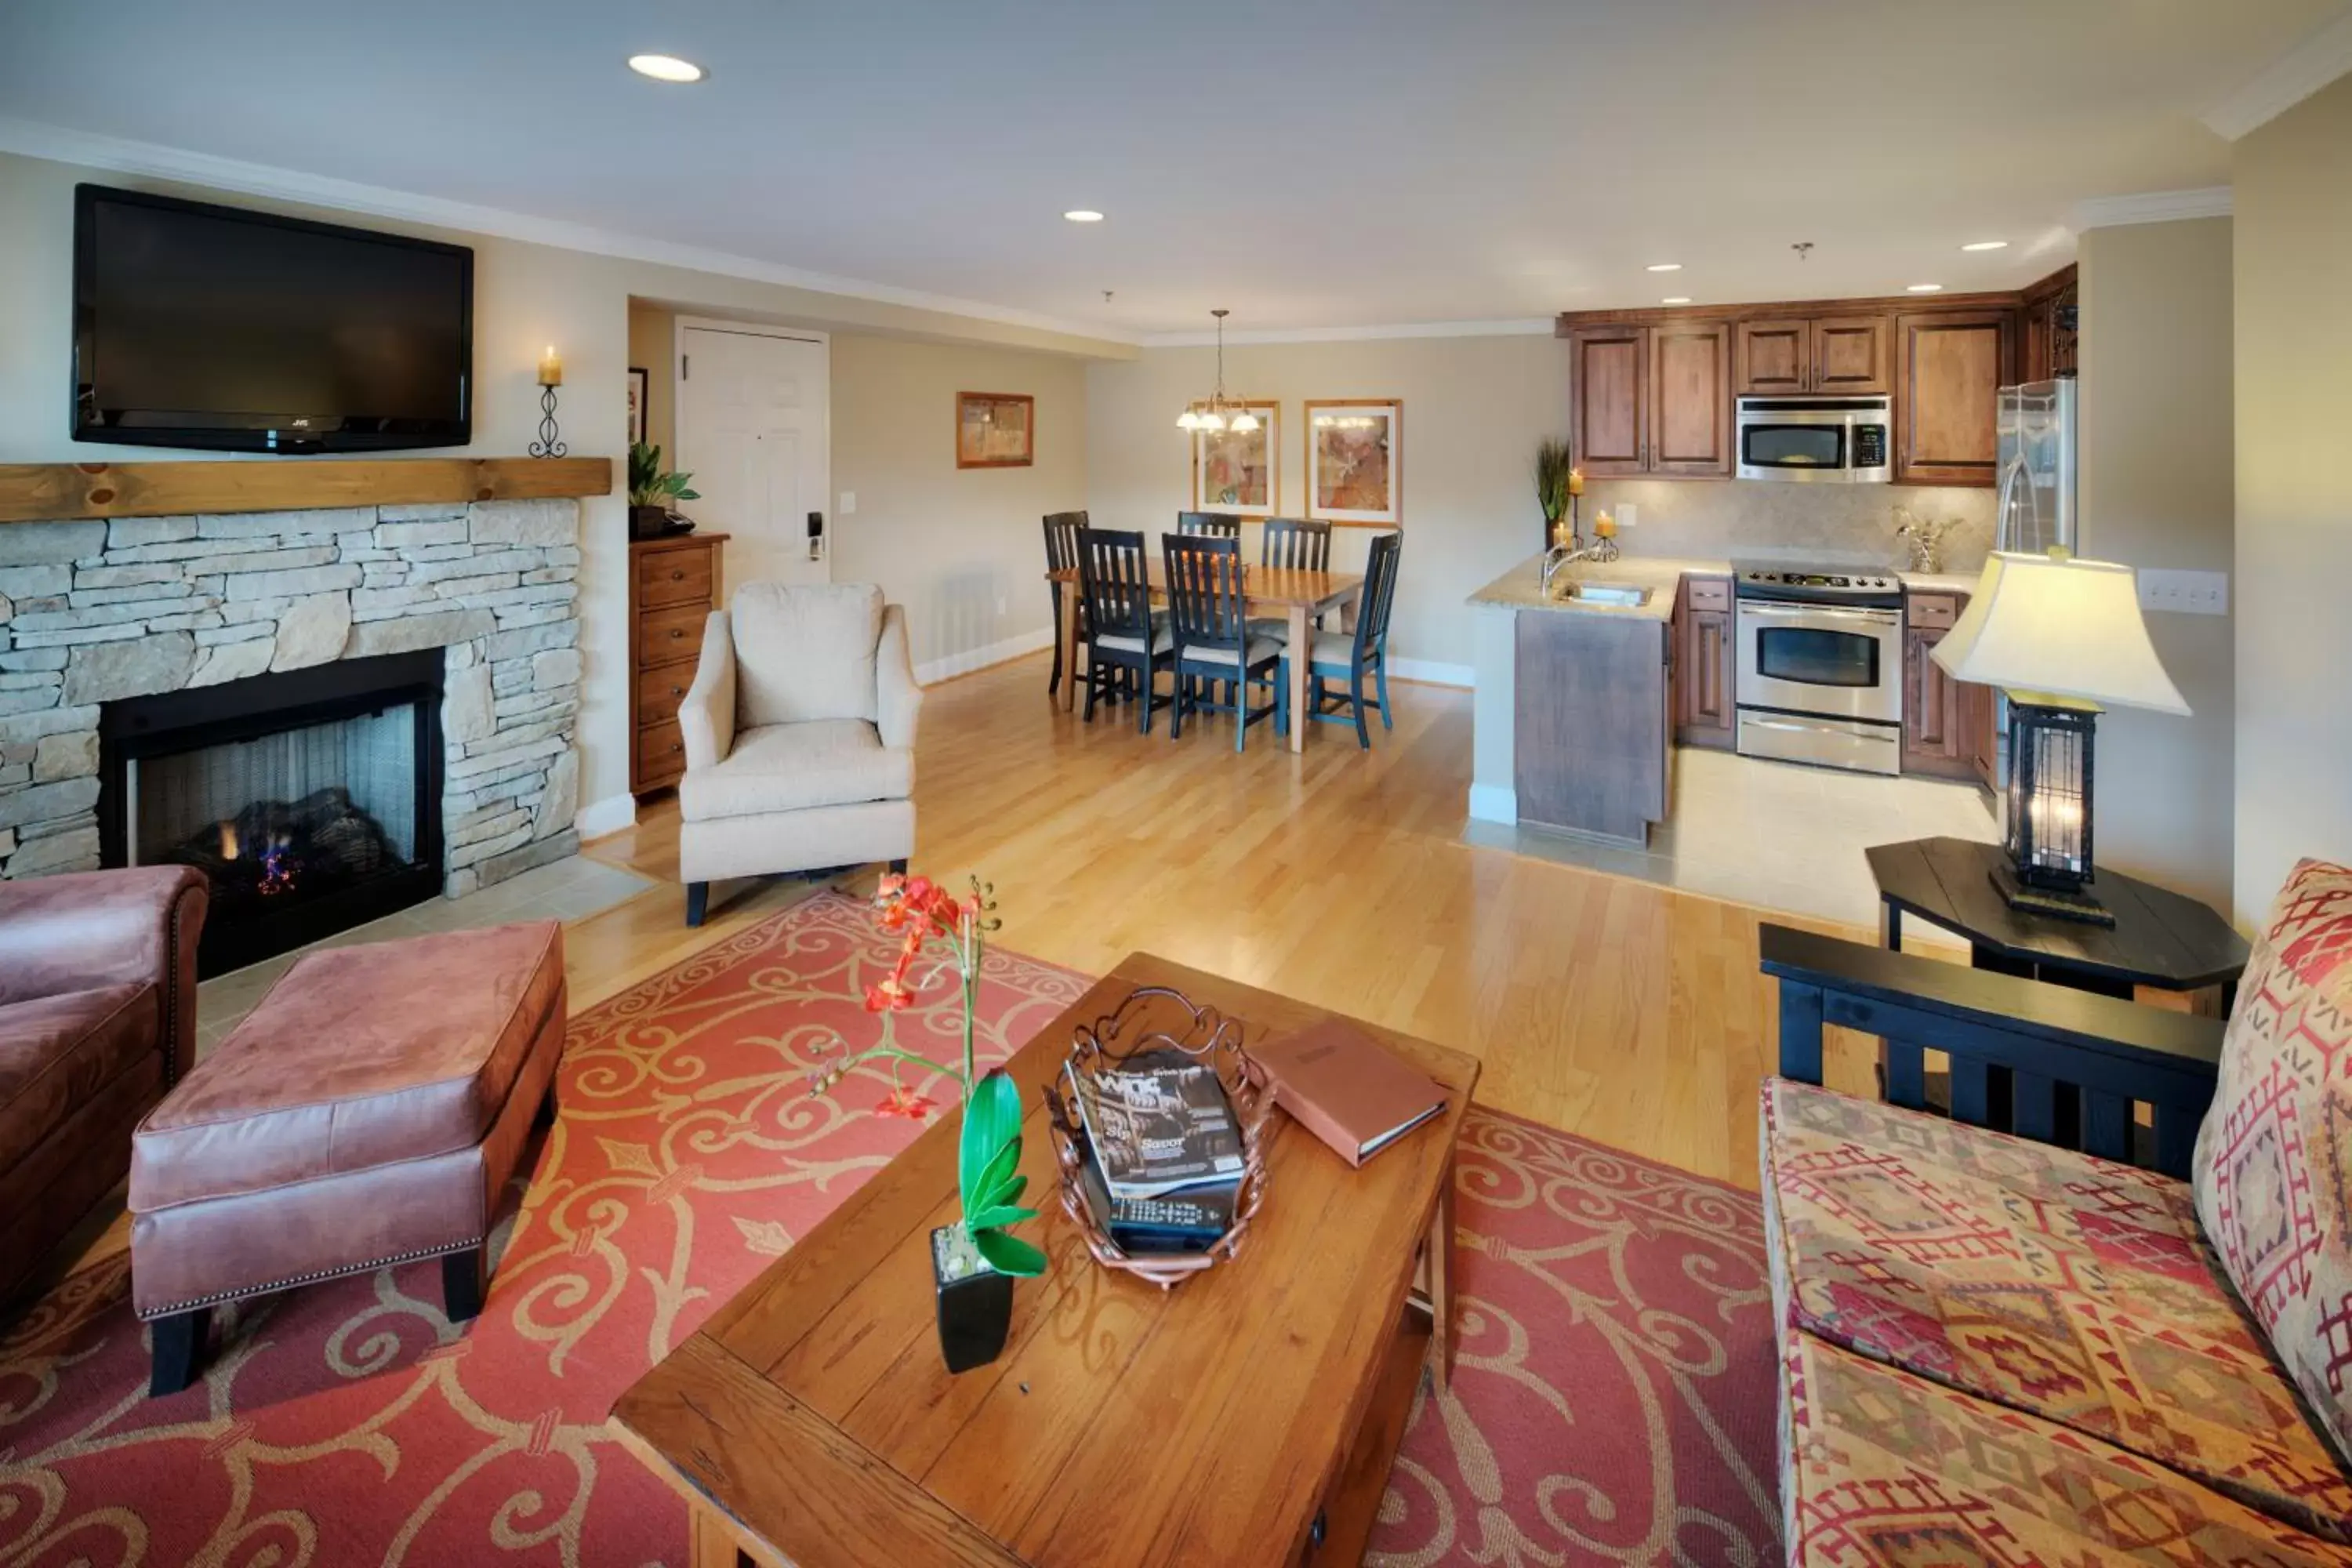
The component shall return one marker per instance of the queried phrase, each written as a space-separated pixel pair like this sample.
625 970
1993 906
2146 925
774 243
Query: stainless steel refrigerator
2034 508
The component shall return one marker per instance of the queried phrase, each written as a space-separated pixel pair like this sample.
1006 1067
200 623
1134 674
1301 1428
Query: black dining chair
1288 542
1122 636
1350 656
1214 649
1062 529
1211 524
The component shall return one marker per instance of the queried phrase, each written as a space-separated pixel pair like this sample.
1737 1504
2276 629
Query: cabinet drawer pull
677 576
677 745
675 633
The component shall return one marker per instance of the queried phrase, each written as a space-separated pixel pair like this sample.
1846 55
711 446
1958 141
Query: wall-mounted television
197 325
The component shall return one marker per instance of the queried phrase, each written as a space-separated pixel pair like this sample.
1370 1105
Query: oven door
1843 661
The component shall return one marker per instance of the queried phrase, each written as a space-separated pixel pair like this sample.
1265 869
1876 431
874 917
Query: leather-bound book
1348 1089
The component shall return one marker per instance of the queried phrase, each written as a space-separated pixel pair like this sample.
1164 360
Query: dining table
1296 595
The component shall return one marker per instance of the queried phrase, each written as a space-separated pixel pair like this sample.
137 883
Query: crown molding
2152 207
112 154
1489 329
2287 81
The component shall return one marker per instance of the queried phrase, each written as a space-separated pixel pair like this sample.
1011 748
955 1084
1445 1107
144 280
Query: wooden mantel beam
42 492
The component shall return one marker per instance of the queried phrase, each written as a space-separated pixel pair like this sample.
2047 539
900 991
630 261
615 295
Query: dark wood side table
2161 941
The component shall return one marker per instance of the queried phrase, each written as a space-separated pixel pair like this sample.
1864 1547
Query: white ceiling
1308 163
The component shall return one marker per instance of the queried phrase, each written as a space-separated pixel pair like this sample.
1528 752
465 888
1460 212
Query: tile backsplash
1836 524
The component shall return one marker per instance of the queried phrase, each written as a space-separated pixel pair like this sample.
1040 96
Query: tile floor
1778 836
569 890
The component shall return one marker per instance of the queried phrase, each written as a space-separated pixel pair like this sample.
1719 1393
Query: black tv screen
208 326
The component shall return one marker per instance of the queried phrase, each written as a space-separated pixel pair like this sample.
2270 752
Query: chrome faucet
1561 556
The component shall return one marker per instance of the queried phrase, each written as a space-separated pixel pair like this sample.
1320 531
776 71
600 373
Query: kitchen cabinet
1653 400
1952 366
1944 720
1844 355
2048 329
1703 670
1593 736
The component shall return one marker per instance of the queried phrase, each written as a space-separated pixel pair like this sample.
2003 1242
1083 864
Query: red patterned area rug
1613 1401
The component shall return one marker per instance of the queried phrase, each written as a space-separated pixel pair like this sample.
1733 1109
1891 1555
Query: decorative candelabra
550 376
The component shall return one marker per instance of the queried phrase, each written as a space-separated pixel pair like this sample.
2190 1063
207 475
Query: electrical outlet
850 503
1628 515
2185 592
1000 607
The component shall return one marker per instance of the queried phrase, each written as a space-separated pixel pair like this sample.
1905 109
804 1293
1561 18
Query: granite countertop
1520 587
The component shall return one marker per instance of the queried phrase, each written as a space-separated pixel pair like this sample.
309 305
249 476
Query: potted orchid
975 1260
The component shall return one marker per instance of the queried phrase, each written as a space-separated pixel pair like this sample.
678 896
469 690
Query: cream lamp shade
2050 624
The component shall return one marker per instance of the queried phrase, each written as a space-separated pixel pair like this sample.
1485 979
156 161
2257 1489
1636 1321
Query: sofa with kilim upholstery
1998 1350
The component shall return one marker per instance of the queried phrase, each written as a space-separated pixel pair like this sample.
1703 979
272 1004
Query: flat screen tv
208 326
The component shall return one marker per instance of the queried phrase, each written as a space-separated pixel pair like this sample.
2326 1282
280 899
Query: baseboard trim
1493 802
1429 672
611 815
948 667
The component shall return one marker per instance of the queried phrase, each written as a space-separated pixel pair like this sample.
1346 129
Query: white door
752 413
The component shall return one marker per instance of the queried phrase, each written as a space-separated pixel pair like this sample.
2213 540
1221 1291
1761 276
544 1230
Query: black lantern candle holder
2048 835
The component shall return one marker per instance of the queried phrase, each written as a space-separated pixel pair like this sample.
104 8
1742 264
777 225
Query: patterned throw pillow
2274 1157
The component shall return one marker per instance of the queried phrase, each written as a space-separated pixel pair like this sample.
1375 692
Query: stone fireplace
470 610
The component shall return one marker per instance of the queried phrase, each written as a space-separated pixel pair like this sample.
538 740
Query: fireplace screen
299 813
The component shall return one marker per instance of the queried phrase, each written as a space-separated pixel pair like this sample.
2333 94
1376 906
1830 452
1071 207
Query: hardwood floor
1628 1012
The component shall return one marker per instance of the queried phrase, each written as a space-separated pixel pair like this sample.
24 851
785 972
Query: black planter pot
649 522
975 1302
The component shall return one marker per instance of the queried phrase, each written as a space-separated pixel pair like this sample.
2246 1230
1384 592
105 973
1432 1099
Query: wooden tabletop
1122 1425
2160 938
1266 587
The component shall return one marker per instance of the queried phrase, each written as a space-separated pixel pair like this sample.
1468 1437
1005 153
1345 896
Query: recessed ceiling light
1675 299
1082 214
1986 245
1926 288
1664 267
666 68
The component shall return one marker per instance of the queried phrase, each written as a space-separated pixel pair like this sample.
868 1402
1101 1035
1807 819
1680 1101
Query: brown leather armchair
98 1020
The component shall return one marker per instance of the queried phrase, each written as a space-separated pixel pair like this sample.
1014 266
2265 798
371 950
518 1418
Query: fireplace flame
228 840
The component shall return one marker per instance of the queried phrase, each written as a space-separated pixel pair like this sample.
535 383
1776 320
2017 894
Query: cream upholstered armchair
800 736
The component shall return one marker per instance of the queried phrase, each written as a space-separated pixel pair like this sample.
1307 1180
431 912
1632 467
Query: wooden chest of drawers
674 585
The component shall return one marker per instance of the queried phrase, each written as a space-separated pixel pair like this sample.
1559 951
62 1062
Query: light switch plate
1628 515
2185 592
850 503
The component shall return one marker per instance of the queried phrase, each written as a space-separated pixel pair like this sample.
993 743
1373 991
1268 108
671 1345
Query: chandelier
1220 411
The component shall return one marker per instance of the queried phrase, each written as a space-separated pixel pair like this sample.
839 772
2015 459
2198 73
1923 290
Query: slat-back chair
1211 525
1062 530
1215 646
1121 633
1350 656
1299 545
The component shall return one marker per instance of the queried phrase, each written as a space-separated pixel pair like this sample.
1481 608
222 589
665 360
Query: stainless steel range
1820 666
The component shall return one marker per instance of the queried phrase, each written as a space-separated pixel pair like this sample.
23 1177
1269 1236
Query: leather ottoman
367 1112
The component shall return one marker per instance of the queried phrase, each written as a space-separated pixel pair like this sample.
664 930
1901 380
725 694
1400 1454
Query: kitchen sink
1605 594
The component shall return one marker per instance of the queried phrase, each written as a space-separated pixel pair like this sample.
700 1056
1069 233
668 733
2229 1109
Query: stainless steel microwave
1816 440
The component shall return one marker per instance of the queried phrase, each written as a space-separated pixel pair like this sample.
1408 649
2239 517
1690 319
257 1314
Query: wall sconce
550 376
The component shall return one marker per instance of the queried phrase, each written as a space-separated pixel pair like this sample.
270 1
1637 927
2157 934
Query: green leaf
997 1216
992 1121
1009 1254
1004 1193
993 1181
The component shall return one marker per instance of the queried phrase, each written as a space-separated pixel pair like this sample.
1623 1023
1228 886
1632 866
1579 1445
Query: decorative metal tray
1157 1018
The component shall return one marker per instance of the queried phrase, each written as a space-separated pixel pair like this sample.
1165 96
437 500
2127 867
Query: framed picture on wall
1355 461
639 383
1240 475
995 430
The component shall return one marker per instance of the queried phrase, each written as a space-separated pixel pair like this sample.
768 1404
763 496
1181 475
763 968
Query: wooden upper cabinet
1690 399
1609 384
1953 364
1851 356
1773 357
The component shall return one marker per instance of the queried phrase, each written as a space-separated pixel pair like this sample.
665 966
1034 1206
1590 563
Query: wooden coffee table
1248 1416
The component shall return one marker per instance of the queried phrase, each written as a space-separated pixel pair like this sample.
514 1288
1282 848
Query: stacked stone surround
94 612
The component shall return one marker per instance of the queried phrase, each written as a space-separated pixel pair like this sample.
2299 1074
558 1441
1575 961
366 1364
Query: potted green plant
1556 476
974 1260
651 492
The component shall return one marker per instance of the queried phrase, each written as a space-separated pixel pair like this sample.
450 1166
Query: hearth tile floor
569 890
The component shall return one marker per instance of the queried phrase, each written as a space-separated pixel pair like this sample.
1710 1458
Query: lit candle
550 368
1603 526
1576 482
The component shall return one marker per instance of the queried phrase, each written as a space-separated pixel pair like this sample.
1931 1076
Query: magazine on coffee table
1156 1129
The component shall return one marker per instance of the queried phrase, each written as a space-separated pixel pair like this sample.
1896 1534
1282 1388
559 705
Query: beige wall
653 340
2293 216
2157 491
526 295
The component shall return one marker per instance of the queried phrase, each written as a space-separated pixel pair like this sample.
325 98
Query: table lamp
2062 637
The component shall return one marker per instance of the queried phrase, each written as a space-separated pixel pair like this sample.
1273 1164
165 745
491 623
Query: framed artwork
1240 475
1355 461
995 430
638 383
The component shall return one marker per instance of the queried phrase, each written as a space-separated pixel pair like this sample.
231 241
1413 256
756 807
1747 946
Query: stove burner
1765 581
